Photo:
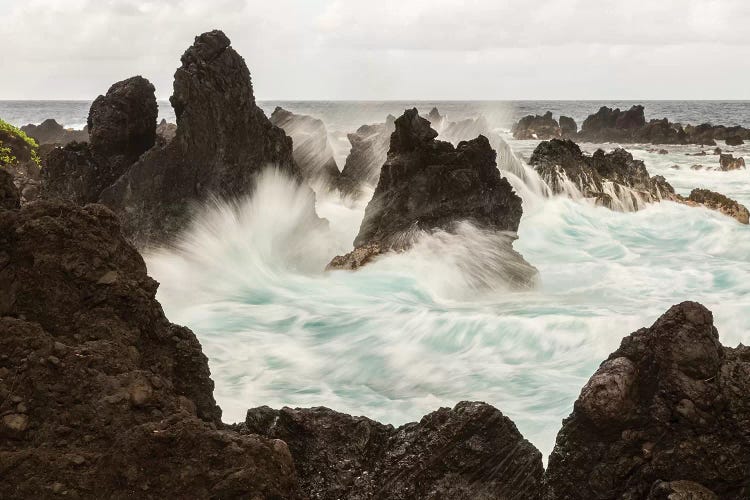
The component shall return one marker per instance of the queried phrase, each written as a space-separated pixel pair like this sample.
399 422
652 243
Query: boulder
717 201
222 144
729 162
538 127
51 132
101 396
427 185
311 149
671 404
369 151
470 451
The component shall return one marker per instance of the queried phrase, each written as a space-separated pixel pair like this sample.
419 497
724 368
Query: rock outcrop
668 412
223 142
122 126
540 127
716 201
311 149
165 131
435 118
9 197
568 127
51 132
470 451
100 395
369 151
19 156
428 185
734 140
729 162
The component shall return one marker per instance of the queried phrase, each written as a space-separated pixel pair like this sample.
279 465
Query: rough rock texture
568 127
717 201
469 452
671 404
165 131
369 151
729 162
542 127
51 132
435 118
311 149
223 142
427 185
614 179
100 396
19 156
9 197
122 126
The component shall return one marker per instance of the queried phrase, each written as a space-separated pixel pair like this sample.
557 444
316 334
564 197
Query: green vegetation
6 155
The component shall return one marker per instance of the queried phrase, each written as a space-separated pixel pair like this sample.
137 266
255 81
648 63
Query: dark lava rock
607 124
100 395
435 119
9 197
717 201
51 132
165 131
428 185
729 162
369 152
223 142
568 127
122 126
671 404
734 140
311 149
469 452
537 127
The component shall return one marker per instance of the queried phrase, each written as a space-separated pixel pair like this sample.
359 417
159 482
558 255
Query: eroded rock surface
542 127
717 201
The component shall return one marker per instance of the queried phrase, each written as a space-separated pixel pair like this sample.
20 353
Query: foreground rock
668 412
428 185
51 132
19 156
369 152
542 127
100 396
469 452
223 142
122 126
311 149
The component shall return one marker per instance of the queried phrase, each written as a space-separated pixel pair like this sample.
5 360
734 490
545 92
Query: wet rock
663 152
717 151
428 185
686 416
734 140
222 144
470 451
568 127
542 127
51 132
311 149
369 152
729 162
435 119
717 201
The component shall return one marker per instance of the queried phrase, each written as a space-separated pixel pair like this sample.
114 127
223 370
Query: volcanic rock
311 149
51 132
9 197
435 119
717 201
470 451
223 142
671 404
729 162
537 127
368 154
734 140
166 131
568 127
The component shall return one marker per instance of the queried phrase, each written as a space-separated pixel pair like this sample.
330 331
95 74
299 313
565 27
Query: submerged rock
470 451
223 142
729 162
428 185
369 152
100 395
51 132
670 405
122 126
311 149
542 127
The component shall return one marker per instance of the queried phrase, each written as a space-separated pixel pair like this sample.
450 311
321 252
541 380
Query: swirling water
415 331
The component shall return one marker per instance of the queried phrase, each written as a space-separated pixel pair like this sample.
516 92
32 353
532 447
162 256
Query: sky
389 49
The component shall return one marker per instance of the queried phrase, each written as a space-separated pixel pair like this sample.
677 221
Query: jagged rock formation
568 127
369 151
671 404
122 126
19 156
223 142
470 451
9 197
435 119
311 149
716 201
51 132
542 127
165 131
100 396
729 162
427 185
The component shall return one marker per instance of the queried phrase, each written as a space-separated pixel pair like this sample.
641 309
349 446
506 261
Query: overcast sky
389 49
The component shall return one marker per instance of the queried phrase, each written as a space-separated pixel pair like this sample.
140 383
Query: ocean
413 331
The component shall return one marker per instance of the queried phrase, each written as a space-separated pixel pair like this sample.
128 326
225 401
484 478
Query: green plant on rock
6 155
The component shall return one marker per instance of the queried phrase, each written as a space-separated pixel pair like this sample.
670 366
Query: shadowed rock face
541 127
122 126
311 150
369 151
100 396
9 197
51 132
568 126
427 185
671 404
470 451
222 144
